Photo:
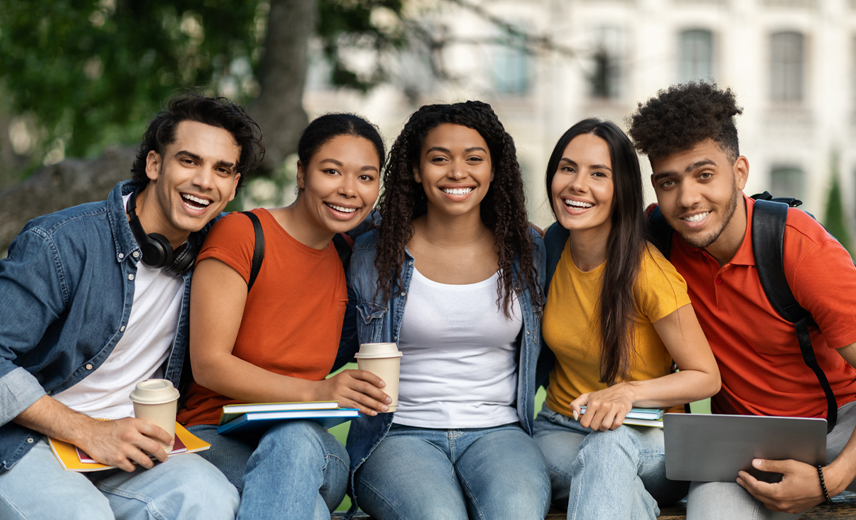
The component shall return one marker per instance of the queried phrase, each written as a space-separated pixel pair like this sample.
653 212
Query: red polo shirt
763 372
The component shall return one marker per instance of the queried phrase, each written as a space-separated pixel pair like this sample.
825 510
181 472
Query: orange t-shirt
292 320
763 372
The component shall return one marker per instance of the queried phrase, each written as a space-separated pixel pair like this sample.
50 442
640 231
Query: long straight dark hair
624 247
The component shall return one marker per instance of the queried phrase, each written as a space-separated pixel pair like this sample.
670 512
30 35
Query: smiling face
699 193
454 169
189 184
582 188
338 187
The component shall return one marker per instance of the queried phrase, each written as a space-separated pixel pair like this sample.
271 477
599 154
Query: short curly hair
683 116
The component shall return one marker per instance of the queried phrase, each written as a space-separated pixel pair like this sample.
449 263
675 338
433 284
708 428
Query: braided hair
503 209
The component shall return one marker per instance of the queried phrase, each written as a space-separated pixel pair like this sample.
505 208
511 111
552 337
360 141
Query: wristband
822 483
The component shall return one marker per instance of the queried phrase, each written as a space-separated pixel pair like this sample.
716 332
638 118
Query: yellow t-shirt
571 327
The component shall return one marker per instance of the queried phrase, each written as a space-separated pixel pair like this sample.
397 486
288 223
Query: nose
348 185
688 195
204 178
578 183
457 170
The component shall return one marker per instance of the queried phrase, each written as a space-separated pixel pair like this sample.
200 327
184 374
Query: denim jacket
555 239
380 321
66 291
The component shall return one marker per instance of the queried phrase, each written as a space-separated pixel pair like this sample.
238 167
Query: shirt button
30 440
395 338
122 328
89 366
527 332
136 254
410 262
719 280
403 294
130 277
121 256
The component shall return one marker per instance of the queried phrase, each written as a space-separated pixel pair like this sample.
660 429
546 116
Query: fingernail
373 412
389 400
385 408
576 415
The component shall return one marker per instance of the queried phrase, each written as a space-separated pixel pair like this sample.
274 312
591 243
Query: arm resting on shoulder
217 299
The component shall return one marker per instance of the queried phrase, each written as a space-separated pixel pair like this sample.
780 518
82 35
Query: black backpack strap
258 248
343 248
659 232
768 237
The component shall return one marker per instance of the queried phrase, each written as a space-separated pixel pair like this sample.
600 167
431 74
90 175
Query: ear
153 165
235 186
301 175
416 176
491 174
741 172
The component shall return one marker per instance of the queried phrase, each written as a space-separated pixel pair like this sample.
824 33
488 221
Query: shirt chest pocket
370 325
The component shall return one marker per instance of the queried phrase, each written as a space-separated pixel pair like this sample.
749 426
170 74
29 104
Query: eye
566 169
475 158
668 183
598 174
438 159
366 177
705 175
331 171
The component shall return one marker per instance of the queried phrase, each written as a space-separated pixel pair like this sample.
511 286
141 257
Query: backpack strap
258 248
659 232
768 235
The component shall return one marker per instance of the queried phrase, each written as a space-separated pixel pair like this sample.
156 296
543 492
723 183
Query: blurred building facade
792 64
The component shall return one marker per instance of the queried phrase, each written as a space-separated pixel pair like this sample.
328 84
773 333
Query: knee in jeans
603 446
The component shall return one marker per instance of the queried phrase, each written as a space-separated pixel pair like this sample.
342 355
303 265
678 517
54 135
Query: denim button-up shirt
376 321
66 290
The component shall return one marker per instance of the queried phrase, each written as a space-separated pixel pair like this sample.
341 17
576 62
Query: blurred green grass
341 431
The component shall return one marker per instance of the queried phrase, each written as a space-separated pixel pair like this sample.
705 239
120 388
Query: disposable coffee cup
155 401
384 361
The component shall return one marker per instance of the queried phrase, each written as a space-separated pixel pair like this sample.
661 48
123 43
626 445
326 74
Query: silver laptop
713 448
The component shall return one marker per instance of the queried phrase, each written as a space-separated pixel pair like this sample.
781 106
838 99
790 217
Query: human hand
798 490
355 389
122 442
605 409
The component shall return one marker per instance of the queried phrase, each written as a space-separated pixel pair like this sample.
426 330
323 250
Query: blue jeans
185 486
486 473
296 469
614 474
713 500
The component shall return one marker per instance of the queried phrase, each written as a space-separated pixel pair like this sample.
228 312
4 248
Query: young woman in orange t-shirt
278 341
617 314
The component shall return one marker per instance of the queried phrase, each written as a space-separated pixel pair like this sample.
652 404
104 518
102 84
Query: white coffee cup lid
154 391
378 350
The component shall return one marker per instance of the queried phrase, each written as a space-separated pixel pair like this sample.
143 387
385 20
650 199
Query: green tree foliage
833 218
92 72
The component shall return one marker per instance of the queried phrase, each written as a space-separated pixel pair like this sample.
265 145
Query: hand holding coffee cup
384 361
155 401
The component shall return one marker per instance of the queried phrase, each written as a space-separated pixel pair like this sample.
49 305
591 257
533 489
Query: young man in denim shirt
95 299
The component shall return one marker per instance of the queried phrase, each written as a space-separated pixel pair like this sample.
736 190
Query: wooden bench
842 506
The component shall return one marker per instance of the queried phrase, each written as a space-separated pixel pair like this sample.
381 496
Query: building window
787 181
510 70
606 71
787 54
696 51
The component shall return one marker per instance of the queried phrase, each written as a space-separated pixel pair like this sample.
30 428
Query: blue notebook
260 421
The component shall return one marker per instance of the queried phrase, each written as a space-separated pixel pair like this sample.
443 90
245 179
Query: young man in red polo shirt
689 135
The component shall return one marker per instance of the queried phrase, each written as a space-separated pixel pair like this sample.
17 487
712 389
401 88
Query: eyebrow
694 166
592 167
195 157
339 164
446 150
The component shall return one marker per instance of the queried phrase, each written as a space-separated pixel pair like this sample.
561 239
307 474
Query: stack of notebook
261 416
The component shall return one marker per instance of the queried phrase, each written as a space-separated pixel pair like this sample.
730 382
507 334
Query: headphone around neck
157 251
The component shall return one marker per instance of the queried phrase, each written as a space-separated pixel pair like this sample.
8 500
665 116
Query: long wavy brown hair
503 210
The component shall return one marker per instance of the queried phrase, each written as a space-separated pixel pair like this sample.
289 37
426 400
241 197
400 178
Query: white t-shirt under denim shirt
140 354
459 368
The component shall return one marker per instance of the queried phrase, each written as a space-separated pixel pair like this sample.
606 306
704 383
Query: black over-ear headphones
157 251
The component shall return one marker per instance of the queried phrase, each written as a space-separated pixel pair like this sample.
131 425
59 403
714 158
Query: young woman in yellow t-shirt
617 314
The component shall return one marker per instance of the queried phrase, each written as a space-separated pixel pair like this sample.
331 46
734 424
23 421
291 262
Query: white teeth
697 217
577 204
457 191
197 200
342 209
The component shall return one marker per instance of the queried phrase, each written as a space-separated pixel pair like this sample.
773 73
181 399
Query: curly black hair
503 209
683 116
219 112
